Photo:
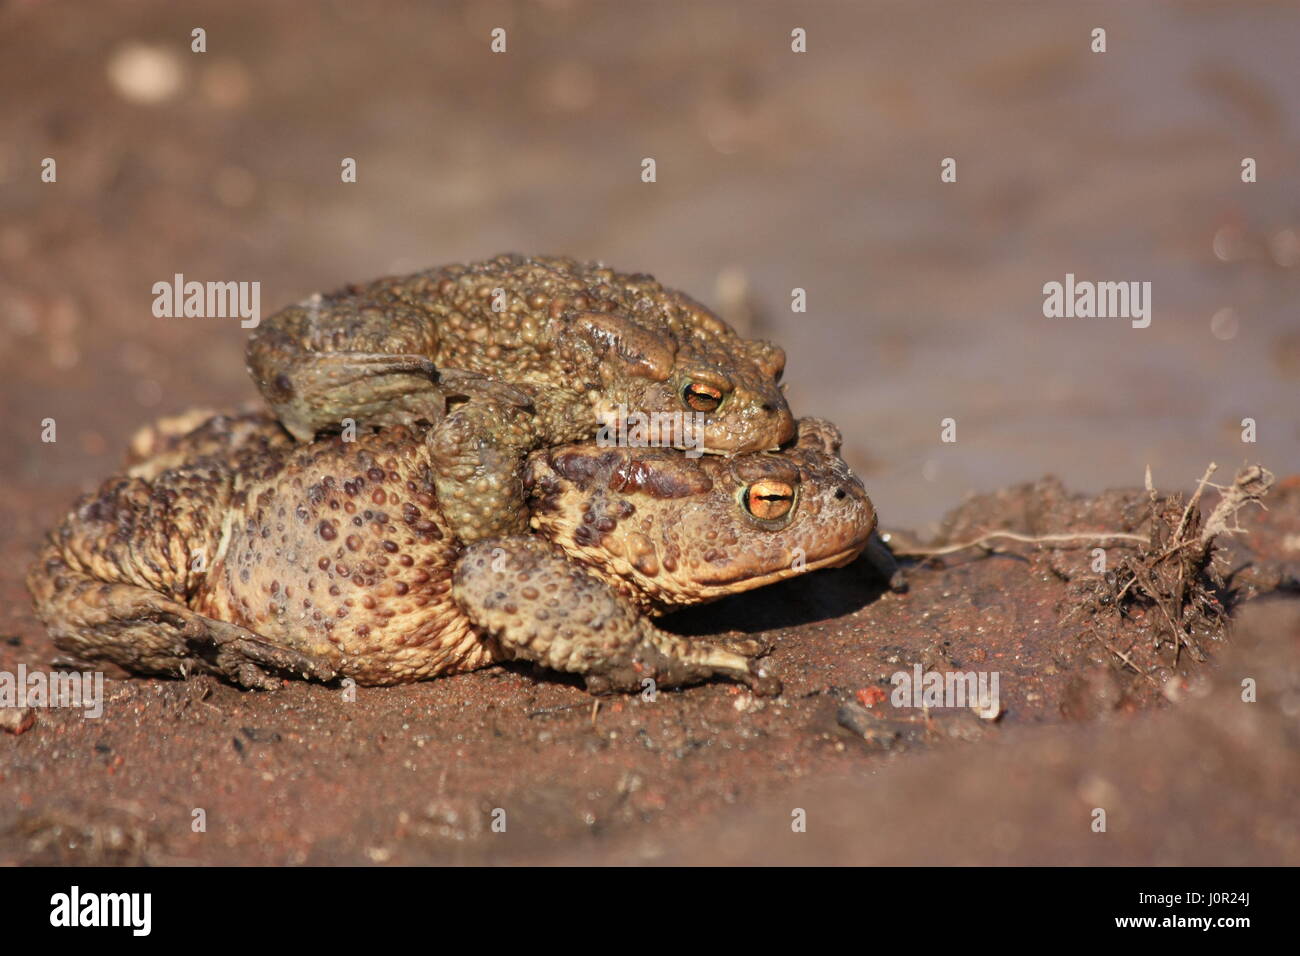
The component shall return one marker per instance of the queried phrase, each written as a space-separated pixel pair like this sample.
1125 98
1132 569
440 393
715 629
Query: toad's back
339 550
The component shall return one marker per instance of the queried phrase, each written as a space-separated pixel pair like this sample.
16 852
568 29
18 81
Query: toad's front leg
541 606
476 456
476 453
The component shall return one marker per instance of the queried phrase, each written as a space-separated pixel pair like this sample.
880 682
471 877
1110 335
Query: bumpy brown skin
230 549
567 346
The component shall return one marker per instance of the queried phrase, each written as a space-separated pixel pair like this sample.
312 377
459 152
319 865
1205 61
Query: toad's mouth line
836 560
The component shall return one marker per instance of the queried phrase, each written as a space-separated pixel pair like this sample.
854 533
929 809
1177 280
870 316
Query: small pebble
17 720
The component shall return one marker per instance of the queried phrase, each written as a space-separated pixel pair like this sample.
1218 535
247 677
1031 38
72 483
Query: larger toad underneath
232 550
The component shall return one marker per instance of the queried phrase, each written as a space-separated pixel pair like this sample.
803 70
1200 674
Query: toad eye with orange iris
702 398
769 500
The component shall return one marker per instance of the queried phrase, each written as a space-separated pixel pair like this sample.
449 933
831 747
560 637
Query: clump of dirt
1176 576
1148 575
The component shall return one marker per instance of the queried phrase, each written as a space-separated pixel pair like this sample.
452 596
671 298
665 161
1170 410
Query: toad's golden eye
769 500
702 398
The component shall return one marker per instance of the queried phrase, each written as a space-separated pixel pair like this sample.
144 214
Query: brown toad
230 549
546 350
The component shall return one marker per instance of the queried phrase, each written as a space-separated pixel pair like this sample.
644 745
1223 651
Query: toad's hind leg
146 632
540 606
322 392
332 358
337 358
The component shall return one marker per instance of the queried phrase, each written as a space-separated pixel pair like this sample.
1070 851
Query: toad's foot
144 631
248 660
747 645
540 606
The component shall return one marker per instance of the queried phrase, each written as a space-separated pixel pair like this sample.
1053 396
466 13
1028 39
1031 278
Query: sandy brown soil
775 173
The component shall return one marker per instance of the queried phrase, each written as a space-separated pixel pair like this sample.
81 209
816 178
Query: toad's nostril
768 408
840 493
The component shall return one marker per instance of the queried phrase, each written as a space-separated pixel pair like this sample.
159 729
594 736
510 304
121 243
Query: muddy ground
818 172
1089 717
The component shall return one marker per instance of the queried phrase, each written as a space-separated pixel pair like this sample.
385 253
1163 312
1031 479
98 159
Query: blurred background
776 170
